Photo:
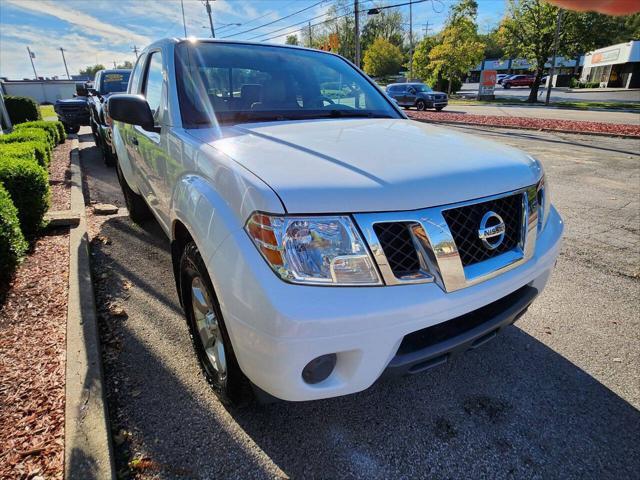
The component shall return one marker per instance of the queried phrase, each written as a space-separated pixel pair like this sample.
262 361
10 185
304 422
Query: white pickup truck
320 239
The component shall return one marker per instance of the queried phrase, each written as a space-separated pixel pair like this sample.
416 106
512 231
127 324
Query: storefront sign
487 83
607 56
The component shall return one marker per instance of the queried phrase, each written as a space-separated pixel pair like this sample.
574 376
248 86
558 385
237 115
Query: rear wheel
138 209
506 86
72 128
208 331
421 105
110 158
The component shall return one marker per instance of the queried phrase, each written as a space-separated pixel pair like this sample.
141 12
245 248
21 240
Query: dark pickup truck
74 112
106 83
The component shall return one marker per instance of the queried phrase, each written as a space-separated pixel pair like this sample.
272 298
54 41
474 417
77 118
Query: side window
153 85
134 82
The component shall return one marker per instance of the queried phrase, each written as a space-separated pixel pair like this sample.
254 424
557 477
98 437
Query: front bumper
437 104
276 328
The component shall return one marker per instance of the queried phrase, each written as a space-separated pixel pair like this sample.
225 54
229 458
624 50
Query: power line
277 20
261 16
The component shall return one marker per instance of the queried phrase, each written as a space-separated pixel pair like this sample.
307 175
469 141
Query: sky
104 31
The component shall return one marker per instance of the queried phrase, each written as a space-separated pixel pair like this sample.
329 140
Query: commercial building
617 66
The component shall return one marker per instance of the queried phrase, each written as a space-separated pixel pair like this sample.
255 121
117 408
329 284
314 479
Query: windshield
234 83
422 88
114 82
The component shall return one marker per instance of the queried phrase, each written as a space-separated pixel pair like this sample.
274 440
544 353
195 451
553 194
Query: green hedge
37 151
12 243
52 128
22 109
51 136
28 135
28 184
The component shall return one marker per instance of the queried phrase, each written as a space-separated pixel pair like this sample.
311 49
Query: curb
551 130
87 444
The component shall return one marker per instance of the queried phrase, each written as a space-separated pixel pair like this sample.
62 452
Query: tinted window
114 82
134 83
153 84
236 82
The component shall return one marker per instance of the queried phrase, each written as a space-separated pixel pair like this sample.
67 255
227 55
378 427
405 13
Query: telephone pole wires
65 63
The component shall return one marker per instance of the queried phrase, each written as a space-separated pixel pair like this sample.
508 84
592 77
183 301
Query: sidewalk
548 113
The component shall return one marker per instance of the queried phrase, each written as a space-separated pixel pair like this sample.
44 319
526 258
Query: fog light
319 368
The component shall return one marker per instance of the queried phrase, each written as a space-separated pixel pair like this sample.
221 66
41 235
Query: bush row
22 109
24 187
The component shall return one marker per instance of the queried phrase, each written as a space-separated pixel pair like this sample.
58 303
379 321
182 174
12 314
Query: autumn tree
387 24
459 48
382 58
126 64
421 58
91 70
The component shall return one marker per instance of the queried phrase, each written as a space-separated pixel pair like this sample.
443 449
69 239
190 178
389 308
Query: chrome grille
397 244
464 223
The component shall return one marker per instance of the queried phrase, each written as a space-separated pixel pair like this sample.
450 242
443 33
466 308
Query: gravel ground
60 177
555 396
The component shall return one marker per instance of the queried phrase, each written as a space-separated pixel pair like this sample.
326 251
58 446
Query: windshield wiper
355 114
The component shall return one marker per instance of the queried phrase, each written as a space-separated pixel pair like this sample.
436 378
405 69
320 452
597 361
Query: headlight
429 97
313 250
544 202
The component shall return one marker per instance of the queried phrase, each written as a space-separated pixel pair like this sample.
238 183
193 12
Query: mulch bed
33 322
60 177
528 123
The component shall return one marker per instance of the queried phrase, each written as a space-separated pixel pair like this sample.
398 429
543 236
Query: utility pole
65 63
553 59
135 50
31 57
310 39
410 39
208 6
114 64
356 11
184 24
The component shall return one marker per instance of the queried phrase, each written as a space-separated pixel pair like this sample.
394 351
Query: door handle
134 140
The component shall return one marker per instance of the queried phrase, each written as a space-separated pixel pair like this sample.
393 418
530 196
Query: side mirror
81 90
132 109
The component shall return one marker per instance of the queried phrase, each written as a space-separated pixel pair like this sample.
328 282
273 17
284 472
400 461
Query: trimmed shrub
50 135
61 131
28 135
27 151
50 127
12 243
22 109
28 185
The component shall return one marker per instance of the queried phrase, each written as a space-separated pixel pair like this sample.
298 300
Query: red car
518 81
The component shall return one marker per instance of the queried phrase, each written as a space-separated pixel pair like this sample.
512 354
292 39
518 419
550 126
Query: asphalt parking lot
555 396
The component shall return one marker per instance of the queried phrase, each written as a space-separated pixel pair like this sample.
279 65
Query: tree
292 40
90 71
382 58
528 31
421 58
458 49
387 24
493 47
126 64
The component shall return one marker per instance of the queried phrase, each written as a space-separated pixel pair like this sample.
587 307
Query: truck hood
365 165
80 101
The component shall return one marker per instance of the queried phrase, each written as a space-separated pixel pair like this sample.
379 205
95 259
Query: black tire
421 105
439 109
138 210
232 387
72 128
506 86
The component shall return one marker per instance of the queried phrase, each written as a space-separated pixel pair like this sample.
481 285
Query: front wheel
138 209
439 109
110 158
506 86
421 105
208 331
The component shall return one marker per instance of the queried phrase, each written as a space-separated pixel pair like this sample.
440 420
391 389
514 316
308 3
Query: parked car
519 81
319 243
73 112
417 95
106 83
501 76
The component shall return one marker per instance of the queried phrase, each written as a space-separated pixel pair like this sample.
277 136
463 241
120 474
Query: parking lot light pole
65 63
31 57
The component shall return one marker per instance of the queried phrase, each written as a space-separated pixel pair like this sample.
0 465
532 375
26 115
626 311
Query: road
555 396
559 94
609 116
